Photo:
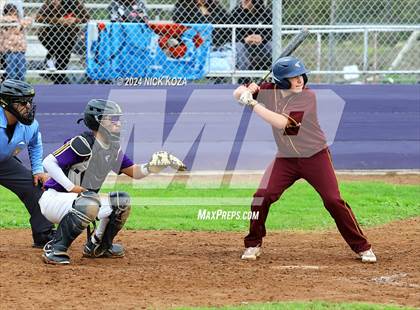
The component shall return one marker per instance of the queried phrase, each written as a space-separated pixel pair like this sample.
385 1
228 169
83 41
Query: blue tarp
123 50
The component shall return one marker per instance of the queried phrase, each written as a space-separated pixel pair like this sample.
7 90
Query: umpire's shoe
41 239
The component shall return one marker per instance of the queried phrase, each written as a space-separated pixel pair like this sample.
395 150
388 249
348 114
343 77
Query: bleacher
36 52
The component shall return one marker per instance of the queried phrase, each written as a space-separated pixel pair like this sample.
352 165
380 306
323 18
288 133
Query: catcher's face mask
111 123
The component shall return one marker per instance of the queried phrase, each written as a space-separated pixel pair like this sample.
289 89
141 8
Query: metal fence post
234 53
318 52
365 49
331 42
232 4
277 24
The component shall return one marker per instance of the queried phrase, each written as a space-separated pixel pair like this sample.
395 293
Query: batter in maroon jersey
290 108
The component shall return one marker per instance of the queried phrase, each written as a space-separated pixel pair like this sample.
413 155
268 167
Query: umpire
19 129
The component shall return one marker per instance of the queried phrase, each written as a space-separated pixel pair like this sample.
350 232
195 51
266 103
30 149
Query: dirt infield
164 269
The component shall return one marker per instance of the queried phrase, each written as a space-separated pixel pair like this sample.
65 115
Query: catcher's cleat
56 258
251 253
367 256
94 250
115 251
48 246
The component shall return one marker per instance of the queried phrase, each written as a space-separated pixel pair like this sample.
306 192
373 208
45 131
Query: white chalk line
395 279
303 267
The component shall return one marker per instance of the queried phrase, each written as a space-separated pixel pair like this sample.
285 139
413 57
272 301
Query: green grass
300 207
305 306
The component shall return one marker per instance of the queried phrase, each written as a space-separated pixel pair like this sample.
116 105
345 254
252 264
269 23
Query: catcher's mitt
161 160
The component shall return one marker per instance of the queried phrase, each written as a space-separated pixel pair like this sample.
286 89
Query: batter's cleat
251 253
367 256
56 258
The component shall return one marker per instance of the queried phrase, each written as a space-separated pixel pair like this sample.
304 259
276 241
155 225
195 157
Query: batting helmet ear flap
283 84
305 78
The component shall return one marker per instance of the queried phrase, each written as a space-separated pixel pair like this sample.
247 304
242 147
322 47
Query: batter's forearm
277 120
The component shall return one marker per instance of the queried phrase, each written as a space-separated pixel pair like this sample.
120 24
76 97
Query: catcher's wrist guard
144 169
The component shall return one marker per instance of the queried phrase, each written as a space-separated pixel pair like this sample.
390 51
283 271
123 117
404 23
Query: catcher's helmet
288 67
95 110
14 93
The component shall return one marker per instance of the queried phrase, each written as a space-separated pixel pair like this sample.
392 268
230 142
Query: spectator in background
63 18
128 11
13 42
17 3
203 12
253 45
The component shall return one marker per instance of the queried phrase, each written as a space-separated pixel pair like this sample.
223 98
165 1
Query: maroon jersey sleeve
265 95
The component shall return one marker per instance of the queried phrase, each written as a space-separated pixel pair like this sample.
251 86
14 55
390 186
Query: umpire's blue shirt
24 136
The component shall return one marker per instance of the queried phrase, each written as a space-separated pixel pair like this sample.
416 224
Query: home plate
305 267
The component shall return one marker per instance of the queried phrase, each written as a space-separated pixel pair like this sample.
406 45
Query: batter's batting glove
161 160
247 100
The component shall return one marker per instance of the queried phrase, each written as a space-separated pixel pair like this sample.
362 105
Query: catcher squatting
77 171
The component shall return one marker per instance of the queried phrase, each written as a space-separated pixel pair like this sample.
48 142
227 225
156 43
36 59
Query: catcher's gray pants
17 178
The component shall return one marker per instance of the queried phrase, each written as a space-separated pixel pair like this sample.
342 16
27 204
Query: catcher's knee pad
121 205
86 207
84 211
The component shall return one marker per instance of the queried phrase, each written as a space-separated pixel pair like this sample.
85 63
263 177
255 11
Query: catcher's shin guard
84 211
121 207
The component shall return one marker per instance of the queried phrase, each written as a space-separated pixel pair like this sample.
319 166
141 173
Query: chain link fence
209 41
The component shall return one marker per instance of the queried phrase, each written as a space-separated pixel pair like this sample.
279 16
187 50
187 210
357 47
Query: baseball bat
290 48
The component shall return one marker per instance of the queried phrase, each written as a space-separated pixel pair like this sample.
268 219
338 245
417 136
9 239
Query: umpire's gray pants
17 178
